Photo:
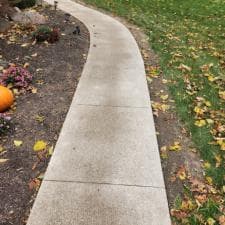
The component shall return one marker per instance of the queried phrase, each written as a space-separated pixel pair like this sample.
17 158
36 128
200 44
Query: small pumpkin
6 98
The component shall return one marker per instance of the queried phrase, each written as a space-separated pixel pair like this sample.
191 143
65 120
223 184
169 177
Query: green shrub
25 3
45 33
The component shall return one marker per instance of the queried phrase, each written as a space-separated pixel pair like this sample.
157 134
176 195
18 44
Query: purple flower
17 76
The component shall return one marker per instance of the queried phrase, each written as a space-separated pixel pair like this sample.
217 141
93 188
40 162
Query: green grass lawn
189 37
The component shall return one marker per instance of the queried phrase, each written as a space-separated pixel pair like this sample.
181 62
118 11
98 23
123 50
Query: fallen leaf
3 160
222 94
34 90
39 118
200 199
34 184
25 45
200 123
178 214
222 220
181 173
164 97
17 143
175 147
209 180
221 143
34 55
50 150
39 146
211 221
163 152
1 148
26 65
187 205
184 68
207 165
209 121
218 160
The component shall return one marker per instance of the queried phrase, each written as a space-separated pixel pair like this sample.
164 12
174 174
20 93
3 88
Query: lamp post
55 5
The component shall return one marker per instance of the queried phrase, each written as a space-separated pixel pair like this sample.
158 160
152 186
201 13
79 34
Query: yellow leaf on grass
209 121
218 160
211 78
222 220
184 68
175 147
221 143
3 160
17 143
208 103
209 180
207 165
39 146
187 205
198 110
222 94
200 123
211 221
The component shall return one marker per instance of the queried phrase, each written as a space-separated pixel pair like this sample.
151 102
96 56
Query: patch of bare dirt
38 116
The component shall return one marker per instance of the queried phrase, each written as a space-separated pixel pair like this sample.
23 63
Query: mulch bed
38 116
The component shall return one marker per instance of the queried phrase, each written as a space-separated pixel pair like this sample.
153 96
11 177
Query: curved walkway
106 167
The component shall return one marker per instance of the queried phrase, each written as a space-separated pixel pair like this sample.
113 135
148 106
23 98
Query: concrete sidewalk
106 167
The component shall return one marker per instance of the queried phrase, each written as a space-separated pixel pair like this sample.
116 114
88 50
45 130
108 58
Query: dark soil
56 71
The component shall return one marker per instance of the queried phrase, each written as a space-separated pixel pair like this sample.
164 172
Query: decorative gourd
6 98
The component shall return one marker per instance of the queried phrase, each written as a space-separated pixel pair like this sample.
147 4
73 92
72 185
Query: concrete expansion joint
116 106
104 183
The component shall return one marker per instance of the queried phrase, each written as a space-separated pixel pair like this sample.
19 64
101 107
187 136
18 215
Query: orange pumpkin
6 98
